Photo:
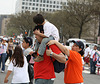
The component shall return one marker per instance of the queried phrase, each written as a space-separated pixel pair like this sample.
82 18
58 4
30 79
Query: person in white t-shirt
27 42
50 32
4 46
19 67
93 63
87 55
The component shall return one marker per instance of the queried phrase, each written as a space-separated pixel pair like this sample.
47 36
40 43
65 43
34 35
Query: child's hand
36 31
48 51
51 42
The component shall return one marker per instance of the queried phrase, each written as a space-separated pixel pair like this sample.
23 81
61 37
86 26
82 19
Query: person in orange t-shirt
74 66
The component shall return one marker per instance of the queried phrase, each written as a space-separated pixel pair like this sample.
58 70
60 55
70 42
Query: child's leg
42 46
36 45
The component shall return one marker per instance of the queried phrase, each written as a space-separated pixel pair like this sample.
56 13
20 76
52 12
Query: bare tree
22 22
79 13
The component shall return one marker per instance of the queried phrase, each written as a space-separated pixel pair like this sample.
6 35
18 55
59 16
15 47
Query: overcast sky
7 6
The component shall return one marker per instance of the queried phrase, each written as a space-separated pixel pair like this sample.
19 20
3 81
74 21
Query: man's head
78 47
38 19
39 38
40 28
27 42
10 40
95 47
87 45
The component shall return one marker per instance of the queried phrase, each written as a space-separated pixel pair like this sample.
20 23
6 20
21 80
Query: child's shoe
34 54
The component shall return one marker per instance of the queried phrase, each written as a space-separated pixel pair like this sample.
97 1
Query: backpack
58 67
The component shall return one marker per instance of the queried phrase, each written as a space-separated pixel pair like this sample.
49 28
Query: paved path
88 78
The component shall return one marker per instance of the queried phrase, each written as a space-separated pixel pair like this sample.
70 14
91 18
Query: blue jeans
42 46
19 83
44 81
92 66
2 59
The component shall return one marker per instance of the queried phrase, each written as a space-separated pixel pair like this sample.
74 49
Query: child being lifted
50 32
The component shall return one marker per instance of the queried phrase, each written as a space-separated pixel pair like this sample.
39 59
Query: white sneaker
2 71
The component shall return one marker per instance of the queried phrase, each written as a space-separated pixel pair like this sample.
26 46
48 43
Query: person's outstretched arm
7 75
61 47
59 57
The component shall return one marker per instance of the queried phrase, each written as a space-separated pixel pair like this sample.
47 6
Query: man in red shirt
44 70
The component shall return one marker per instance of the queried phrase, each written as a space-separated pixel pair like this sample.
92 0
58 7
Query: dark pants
92 66
9 55
31 79
2 59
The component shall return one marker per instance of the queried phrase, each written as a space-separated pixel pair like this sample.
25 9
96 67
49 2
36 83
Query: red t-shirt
45 68
73 68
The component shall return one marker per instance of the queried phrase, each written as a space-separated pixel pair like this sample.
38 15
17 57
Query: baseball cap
28 40
79 43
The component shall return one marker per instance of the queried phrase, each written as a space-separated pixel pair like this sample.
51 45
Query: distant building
4 26
39 5
1 19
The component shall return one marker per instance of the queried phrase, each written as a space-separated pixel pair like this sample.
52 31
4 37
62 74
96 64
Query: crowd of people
6 49
92 58
46 34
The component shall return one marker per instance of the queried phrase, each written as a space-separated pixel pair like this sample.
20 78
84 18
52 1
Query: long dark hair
17 57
